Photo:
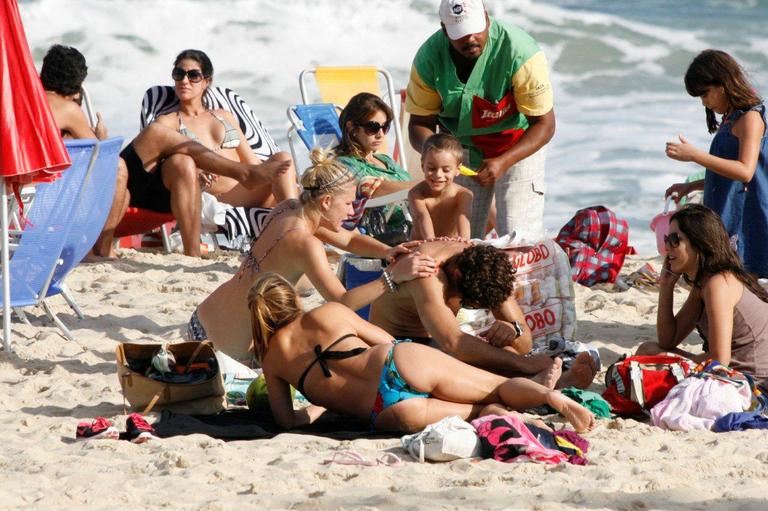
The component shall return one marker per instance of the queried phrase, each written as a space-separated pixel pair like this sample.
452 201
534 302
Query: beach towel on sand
251 425
507 438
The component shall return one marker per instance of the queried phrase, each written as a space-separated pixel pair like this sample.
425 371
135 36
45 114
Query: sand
49 384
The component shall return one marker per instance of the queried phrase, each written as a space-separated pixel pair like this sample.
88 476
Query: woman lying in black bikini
341 362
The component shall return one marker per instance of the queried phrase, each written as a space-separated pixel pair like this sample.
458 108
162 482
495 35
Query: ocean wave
617 70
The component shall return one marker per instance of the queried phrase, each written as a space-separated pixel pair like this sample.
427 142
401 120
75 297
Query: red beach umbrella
30 142
31 147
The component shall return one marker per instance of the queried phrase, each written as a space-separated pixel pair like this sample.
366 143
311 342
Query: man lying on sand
473 276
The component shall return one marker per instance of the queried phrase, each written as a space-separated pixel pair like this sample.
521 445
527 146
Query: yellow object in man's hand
466 171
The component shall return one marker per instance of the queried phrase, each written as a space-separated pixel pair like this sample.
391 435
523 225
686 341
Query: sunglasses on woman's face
672 240
194 75
373 127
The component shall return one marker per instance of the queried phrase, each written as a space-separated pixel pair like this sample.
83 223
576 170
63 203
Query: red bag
596 242
635 384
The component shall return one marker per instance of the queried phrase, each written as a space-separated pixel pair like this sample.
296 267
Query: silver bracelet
390 283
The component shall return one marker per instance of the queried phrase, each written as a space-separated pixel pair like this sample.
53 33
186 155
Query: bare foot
94 258
549 377
581 373
580 418
535 364
265 171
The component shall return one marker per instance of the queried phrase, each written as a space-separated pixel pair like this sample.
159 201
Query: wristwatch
518 328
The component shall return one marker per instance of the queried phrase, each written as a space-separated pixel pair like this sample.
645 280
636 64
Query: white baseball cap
462 17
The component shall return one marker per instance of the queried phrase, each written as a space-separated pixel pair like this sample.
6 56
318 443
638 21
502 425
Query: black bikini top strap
322 355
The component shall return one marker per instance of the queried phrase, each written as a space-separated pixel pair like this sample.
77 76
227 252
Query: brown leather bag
143 392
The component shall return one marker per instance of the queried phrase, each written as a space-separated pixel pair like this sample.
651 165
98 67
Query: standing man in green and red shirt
486 82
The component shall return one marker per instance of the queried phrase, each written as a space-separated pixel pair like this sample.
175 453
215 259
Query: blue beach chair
317 125
47 229
88 218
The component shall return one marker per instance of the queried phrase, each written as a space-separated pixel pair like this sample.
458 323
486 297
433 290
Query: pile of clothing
504 438
714 397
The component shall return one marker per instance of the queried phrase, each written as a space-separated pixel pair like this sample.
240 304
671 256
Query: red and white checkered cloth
596 242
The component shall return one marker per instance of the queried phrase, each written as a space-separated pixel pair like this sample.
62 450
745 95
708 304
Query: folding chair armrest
401 196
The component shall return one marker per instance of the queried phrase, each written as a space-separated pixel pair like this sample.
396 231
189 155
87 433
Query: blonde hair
444 142
326 176
272 303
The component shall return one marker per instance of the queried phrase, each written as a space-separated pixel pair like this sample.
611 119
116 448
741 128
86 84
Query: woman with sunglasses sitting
175 184
726 304
364 123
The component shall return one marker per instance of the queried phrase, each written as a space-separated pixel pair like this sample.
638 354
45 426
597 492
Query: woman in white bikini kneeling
341 362
291 244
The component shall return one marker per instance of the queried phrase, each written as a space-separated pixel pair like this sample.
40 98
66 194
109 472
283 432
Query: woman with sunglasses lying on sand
726 304
341 362
291 244
175 183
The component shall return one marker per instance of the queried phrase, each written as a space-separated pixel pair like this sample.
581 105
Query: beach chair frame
326 113
88 218
28 256
304 131
388 95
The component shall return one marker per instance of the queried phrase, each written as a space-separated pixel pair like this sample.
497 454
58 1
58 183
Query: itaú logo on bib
487 113
494 114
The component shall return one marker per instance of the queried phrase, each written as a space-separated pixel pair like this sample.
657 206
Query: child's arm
749 130
680 190
422 222
464 209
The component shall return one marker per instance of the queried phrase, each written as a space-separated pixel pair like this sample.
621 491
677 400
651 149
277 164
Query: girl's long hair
273 304
715 68
361 107
706 233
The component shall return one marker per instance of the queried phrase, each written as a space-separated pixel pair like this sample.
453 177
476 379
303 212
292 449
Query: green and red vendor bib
488 113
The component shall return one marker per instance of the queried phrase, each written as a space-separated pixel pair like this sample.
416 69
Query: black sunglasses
194 75
672 240
373 127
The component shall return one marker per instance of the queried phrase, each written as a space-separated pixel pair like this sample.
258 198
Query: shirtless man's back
472 277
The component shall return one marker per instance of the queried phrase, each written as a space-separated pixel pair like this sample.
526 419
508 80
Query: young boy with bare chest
439 206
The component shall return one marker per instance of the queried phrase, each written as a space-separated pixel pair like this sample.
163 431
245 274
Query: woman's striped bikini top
231 135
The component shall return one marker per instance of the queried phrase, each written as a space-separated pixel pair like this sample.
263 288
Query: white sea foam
618 78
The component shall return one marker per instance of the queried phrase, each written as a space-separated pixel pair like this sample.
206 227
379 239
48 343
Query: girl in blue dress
736 180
